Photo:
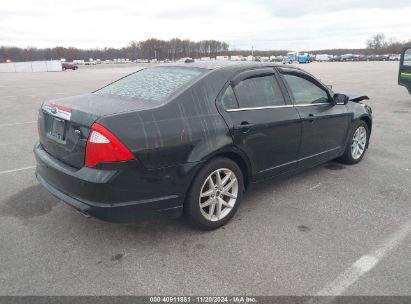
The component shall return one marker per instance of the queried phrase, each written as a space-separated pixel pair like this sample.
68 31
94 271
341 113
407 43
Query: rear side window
259 92
152 84
228 99
304 91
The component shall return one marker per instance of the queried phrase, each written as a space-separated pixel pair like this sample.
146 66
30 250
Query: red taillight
103 146
60 107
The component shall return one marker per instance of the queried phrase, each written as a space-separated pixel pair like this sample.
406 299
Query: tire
217 208
351 155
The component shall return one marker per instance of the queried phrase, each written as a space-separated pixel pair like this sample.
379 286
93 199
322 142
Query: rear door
263 123
404 76
324 125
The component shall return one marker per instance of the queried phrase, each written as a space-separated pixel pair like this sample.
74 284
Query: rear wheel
215 194
357 145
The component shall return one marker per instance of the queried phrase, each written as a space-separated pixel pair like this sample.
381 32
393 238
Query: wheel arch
234 155
241 162
367 120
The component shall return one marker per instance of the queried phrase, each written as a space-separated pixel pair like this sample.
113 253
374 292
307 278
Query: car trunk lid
64 124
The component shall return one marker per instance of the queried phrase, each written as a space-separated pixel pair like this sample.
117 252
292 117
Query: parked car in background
276 58
68 66
223 58
360 57
190 139
378 58
186 60
394 57
347 57
335 58
93 62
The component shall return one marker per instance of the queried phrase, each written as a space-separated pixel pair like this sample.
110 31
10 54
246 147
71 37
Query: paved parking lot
332 230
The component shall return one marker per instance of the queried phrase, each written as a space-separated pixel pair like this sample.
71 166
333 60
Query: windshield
152 84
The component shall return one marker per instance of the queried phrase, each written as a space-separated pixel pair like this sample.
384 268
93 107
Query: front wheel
357 144
215 194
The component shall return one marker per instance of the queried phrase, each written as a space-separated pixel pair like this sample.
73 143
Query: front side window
259 92
304 91
407 58
152 84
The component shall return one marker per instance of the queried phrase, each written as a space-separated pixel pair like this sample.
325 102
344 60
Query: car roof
225 64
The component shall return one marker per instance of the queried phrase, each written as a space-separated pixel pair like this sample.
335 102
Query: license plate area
56 128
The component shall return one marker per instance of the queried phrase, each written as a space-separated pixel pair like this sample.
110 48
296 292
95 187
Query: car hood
356 97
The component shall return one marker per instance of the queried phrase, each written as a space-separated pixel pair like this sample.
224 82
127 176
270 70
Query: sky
264 24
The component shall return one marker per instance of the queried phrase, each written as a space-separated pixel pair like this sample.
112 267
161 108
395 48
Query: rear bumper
124 195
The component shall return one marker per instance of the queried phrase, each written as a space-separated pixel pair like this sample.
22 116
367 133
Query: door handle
311 117
244 126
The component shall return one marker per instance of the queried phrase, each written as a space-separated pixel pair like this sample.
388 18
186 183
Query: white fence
31 66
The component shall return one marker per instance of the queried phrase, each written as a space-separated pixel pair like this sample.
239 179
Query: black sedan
190 138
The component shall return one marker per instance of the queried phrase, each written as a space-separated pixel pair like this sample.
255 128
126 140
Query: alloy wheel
218 194
359 142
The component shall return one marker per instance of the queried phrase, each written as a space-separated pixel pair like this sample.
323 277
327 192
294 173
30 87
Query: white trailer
236 58
31 66
322 57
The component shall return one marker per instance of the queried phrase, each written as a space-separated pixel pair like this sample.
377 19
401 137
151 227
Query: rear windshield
152 84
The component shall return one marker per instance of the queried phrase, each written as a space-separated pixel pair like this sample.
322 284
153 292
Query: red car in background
69 66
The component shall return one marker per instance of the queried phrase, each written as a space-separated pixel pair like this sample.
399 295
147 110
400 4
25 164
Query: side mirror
340 99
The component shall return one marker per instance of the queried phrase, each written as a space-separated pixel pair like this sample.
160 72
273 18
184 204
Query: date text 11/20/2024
203 299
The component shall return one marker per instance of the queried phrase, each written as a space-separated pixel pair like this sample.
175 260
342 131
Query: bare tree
377 42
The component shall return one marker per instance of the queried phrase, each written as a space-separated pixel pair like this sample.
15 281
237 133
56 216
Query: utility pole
252 52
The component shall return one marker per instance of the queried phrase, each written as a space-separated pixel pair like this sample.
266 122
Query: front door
263 125
404 76
324 125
